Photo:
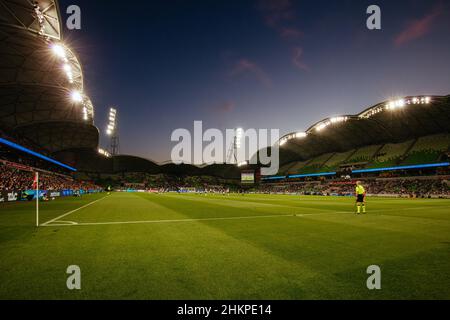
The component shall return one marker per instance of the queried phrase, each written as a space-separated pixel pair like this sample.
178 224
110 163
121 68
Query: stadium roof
41 80
387 122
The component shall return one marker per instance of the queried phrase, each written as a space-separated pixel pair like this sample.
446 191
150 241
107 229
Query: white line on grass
46 224
166 221
71 223
377 211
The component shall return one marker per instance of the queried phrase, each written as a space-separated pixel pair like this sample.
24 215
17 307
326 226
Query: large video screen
248 177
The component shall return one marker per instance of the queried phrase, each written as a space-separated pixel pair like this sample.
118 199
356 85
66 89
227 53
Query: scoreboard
248 177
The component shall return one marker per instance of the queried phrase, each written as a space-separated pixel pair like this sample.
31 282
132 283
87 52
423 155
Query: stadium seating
285 168
19 177
391 154
364 154
297 166
338 158
316 164
428 149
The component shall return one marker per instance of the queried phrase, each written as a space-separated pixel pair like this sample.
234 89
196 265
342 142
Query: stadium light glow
320 127
338 119
59 51
243 164
67 68
300 135
85 113
396 104
329 122
76 96
110 129
401 103
104 153
239 135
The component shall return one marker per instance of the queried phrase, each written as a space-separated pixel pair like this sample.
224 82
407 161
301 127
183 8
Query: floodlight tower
232 156
111 131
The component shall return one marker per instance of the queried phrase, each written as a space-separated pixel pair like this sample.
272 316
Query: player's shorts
360 198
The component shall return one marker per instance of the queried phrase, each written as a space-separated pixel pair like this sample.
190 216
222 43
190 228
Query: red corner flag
36 187
35 181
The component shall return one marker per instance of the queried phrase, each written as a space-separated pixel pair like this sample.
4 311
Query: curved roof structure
386 122
41 81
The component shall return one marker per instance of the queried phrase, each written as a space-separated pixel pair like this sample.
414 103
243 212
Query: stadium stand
20 178
316 164
364 154
285 169
391 154
428 149
297 167
337 159
406 187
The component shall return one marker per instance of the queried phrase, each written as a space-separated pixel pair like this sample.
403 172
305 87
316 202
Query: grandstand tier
377 125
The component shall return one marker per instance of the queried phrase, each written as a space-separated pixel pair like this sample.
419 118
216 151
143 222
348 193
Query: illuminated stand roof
391 121
41 80
387 122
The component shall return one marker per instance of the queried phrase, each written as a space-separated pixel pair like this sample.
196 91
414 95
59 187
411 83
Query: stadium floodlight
111 130
282 142
396 104
59 51
300 135
239 135
321 126
85 113
76 96
67 68
338 119
243 163
111 127
104 153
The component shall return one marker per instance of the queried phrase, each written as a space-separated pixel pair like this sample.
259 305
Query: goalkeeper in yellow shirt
360 197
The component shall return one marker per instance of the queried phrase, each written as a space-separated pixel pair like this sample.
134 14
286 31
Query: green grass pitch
169 246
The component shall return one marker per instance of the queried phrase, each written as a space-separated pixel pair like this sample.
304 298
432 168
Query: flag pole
37 199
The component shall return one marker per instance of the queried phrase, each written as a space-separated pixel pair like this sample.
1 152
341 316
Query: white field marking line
167 221
376 211
71 223
70 212
67 222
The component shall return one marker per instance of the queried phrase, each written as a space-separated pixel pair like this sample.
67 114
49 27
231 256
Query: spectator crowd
401 187
21 180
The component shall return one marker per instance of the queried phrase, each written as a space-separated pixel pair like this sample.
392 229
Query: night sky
252 64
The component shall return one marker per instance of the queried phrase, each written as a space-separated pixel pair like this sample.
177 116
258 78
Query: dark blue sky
253 64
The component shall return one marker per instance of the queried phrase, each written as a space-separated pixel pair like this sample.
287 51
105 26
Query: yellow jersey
360 190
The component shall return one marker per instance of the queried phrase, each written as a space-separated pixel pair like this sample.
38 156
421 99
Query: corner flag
36 187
